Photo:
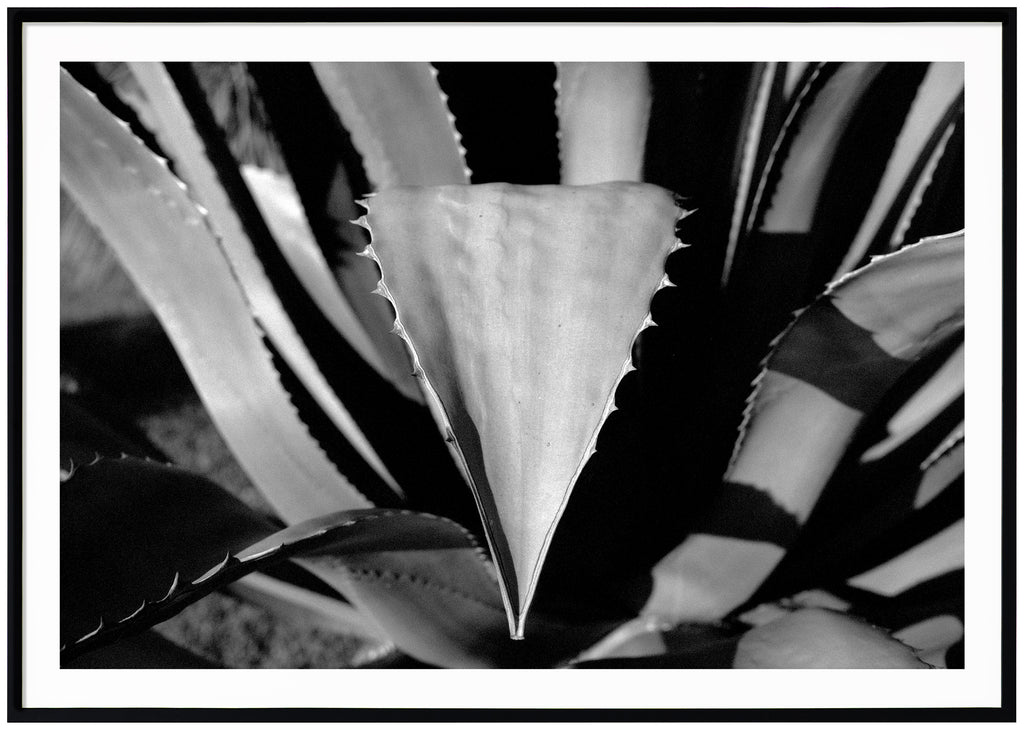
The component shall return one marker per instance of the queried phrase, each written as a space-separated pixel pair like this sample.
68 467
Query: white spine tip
173 589
365 253
92 633
133 614
361 222
379 290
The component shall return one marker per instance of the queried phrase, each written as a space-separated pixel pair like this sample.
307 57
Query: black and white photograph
546 363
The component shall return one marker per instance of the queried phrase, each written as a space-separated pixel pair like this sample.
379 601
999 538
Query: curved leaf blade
422 581
399 122
793 201
130 528
278 201
938 91
179 537
329 177
176 132
154 228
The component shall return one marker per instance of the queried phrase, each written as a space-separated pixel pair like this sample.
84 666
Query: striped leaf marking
824 374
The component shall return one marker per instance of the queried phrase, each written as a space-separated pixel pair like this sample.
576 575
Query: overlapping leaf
180 536
421 580
826 371
152 224
193 159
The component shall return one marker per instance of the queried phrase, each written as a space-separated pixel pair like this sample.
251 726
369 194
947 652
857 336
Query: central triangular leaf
520 306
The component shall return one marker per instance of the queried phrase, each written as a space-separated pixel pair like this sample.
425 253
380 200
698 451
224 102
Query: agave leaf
179 536
190 155
760 127
422 581
155 229
820 639
799 100
602 110
328 177
128 527
279 202
871 512
520 306
936 201
398 120
794 199
826 371
867 517
917 142
919 184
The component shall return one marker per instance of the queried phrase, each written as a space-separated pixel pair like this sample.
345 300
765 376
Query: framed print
515 342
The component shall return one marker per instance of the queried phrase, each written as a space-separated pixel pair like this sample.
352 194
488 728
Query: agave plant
505 417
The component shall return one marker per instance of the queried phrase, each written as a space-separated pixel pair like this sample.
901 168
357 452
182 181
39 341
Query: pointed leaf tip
500 261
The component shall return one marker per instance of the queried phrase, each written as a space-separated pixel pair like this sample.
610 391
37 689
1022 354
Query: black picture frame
16 20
